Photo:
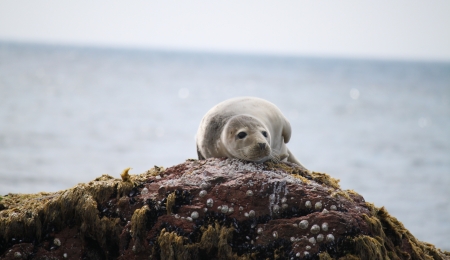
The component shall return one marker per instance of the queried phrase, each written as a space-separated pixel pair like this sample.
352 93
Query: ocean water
70 114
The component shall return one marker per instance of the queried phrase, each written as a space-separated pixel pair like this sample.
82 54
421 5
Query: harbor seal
247 128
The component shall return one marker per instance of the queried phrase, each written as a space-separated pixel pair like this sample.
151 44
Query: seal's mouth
263 159
258 153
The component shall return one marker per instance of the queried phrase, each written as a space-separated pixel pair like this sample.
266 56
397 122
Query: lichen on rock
208 209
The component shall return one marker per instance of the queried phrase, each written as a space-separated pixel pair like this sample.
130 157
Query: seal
246 128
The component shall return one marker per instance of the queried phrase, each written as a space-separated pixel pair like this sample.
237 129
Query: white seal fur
247 128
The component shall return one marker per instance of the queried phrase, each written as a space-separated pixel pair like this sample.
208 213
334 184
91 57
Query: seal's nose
262 146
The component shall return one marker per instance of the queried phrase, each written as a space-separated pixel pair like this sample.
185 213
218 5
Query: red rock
164 214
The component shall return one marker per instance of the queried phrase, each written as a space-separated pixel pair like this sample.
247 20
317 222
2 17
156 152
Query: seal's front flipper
280 158
292 159
283 156
200 156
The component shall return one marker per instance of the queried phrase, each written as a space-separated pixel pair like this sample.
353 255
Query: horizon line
218 51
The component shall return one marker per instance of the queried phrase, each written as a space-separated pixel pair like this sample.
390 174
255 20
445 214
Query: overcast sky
355 28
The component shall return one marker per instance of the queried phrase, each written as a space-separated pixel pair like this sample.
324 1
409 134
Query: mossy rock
208 209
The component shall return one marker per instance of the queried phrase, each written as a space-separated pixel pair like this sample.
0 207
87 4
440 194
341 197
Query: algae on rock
149 215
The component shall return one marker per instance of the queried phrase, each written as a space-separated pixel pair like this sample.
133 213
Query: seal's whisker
244 147
274 156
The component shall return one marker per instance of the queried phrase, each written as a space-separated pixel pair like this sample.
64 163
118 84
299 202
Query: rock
208 209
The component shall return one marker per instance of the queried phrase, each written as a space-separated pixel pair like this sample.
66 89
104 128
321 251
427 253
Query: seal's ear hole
242 135
264 133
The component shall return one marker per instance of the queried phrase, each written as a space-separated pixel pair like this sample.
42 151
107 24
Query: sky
382 29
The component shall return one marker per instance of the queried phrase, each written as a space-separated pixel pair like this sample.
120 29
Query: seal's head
247 138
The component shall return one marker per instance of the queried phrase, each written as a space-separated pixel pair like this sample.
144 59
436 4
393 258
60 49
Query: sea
70 114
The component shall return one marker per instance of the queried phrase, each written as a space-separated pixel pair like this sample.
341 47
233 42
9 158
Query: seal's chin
256 154
262 160
255 160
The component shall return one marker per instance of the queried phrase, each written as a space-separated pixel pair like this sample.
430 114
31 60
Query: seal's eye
264 133
241 135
